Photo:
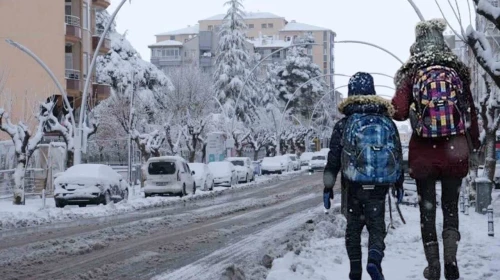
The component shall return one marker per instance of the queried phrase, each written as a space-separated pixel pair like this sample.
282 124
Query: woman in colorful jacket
431 159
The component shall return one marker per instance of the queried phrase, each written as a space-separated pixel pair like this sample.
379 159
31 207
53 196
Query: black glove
398 193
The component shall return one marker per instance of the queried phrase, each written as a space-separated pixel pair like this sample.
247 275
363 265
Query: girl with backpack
366 148
433 91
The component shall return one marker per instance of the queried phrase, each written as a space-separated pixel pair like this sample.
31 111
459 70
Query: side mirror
192 172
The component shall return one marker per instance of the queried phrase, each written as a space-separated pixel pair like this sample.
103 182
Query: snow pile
33 214
324 256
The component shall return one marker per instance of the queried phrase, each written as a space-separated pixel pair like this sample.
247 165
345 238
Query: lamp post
79 129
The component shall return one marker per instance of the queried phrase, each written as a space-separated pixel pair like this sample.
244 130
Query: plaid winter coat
431 157
370 104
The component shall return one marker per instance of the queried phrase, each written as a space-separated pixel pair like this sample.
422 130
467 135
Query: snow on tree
298 68
259 138
192 131
232 64
26 141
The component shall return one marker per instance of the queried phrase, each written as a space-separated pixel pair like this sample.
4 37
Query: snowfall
323 256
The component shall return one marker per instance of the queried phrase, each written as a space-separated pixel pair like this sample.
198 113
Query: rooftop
297 26
167 43
195 29
248 15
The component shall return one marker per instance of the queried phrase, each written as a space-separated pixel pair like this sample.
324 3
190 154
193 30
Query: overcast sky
388 23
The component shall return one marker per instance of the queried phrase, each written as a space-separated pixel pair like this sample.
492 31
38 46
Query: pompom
437 24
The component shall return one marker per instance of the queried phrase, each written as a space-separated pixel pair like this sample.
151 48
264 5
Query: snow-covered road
196 239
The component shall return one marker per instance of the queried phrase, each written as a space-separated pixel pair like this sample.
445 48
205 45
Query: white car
168 175
277 164
295 161
84 184
224 173
318 162
244 168
324 151
203 177
305 158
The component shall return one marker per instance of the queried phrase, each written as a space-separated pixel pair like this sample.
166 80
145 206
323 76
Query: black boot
374 266
356 270
433 270
450 243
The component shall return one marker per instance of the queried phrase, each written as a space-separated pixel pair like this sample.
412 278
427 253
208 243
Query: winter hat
429 36
361 83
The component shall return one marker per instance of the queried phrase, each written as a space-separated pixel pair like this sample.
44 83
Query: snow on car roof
166 158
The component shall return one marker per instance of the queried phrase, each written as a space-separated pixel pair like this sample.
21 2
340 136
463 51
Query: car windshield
318 158
238 163
161 168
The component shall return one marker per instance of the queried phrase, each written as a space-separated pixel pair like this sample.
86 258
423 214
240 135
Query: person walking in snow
366 148
433 91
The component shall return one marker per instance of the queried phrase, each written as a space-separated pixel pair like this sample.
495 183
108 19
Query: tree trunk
192 154
19 180
204 152
490 161
256 154
239 151
70 158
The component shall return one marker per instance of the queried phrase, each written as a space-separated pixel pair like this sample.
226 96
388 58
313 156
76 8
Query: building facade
266 33
63 34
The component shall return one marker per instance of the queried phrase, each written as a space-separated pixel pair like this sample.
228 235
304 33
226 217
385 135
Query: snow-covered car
168 175
295 161
84 184
305 158
256 168
202 176
324 151
288 162
224 173
318 162
272 165
244 169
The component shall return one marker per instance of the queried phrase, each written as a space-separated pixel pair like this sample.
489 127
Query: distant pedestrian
433 91
365 147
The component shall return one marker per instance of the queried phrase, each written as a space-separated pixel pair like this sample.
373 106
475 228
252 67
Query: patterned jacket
368 104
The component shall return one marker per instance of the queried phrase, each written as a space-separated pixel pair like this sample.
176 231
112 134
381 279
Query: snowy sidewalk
33 214
324 257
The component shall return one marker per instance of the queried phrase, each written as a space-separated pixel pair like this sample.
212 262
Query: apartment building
63 34
266 34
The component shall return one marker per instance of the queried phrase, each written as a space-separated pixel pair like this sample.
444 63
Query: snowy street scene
249 140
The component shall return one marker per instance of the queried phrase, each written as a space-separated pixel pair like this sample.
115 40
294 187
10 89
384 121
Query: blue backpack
372 153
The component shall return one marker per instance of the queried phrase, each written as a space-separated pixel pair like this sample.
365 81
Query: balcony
205 61
101 4
73 82
73 29
100 90
160 61
106 44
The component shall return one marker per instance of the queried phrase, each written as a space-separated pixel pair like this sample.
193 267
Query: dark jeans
450 191
365 207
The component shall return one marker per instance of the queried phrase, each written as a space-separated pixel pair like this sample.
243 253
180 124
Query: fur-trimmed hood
368 104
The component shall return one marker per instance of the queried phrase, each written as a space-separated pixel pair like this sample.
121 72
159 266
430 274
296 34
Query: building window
251 38
325 65
288 38
270 25
86 16
67 9
210 27
251 26
325 58
277 54
325 36
217 28
264 25
172 37
85 64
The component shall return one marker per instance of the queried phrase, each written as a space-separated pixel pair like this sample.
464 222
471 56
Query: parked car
203 177
305 158
272 165
318 162
243 166
324 151
257 168
169 175
84 184
288 162
295 161
224 173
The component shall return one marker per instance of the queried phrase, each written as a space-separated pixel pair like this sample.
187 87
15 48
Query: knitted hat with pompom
429 35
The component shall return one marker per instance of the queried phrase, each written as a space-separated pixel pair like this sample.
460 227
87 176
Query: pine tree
232 63
298 68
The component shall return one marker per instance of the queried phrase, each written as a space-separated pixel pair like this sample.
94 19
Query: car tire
82 205
59 204
106 198
125 195
280 172
183 191
246 179
194 188
212 186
